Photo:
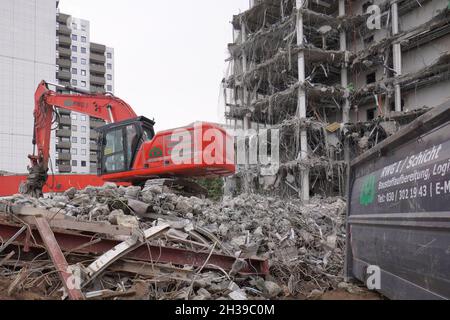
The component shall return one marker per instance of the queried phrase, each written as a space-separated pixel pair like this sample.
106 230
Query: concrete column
245 100
301 104
397 56
344 83
344 70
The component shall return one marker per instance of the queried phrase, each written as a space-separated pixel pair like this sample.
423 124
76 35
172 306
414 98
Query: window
74 48
74 140
83 117
109 87
83 140
109 76
371 78
83 164
73 116
83 61
74 151
132 141
74 59
83 50
109 55
74 128
83 152
74 71
74 163
83 39
74 82
83 72
83 129
74 37
83 27
83 84
114 155
109 66
371 114
74 26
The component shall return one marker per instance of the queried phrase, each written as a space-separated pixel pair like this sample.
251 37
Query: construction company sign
413 178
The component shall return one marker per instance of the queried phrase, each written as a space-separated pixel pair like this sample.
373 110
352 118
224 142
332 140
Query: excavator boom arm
106 107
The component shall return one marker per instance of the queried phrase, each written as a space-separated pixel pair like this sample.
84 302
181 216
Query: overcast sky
169 55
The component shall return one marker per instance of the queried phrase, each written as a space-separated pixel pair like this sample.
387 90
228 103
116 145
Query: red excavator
129 149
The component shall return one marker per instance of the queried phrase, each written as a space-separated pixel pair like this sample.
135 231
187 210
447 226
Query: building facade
85 65
331 75
27 56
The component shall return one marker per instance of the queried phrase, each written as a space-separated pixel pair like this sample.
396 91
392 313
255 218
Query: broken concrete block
271 289
184 207
133 192
81 200
128 221
238 295
99 211
204 293
139 207
70 193
147 196
112 218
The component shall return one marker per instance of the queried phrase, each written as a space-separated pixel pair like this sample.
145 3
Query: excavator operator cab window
121 143
114 155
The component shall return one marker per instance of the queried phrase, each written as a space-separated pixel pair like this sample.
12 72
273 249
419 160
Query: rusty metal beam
76 243
58 259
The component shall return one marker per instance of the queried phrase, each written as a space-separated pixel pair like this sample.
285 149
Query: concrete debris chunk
272 289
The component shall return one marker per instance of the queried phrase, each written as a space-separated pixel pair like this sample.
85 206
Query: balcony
98 58
64 30
62 18
64 52
97 81
93 147
64 156
63 111
64 145
65 120
93 158
93 169
63 133
98 69
64 40
63 75
98 48
64 168
94 134
94 124
95 89
65 63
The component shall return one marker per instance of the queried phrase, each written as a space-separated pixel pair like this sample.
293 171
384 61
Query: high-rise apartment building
85 65
27 56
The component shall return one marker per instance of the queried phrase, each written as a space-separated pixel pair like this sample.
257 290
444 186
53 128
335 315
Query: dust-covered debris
303 242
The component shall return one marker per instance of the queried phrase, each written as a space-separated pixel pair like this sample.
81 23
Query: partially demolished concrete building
336 77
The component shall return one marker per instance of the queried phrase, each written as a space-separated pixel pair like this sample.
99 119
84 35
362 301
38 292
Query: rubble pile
304 243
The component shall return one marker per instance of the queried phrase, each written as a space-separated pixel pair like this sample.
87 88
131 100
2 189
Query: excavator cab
120 142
